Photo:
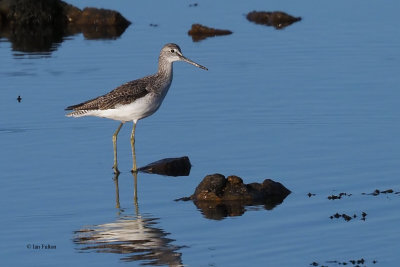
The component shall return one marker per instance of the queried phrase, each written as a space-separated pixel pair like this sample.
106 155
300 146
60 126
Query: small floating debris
200 32
333 197
169 166
153 25
218 197
19 98
193 5
363 214
277 19
346 217
378 192
358 262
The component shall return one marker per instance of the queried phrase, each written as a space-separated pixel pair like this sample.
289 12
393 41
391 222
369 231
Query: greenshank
136 99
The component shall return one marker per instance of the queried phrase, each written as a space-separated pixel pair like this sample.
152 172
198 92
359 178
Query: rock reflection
30 40
221 210
136 237
48 39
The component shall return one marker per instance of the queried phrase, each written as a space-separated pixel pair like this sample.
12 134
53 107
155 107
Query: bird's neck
165 69
163 77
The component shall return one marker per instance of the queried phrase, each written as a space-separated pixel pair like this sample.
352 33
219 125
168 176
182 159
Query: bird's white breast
139 109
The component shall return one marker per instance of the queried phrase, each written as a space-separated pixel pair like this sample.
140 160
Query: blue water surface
314 106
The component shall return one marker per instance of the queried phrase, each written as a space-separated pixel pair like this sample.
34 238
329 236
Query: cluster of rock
34 26
39 25
217 188
218 197
277 19
55 13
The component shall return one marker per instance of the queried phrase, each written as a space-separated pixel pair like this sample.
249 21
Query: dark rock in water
211 188
101 17
218 197
278 19
50 12
169 166
39 25
72 13
29 12
216 187
200 32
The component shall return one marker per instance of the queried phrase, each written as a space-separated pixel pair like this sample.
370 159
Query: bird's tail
77 113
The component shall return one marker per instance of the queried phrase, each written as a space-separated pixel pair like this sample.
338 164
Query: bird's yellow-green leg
134 169
114 138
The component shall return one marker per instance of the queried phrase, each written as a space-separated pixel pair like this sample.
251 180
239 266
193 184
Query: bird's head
172 53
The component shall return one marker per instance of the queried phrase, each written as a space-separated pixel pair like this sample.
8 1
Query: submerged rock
277 19
50 12
28 12
216 187
99 17
218 197
169 166
200 32
38 26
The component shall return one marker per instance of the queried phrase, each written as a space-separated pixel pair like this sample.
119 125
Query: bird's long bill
193 63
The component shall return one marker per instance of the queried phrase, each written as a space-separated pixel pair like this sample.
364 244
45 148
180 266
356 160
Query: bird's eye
172 50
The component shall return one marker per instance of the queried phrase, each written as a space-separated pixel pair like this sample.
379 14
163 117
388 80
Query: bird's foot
116 171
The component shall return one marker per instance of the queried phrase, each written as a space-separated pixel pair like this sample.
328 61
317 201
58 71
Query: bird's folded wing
124 94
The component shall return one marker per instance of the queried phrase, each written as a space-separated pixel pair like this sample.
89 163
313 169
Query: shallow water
313 106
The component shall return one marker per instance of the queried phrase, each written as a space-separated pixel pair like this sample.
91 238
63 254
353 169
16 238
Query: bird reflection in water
136 237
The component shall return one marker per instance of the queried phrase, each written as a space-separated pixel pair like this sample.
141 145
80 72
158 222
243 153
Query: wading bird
136 99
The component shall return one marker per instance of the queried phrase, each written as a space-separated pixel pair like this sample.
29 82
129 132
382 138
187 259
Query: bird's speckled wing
124 94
